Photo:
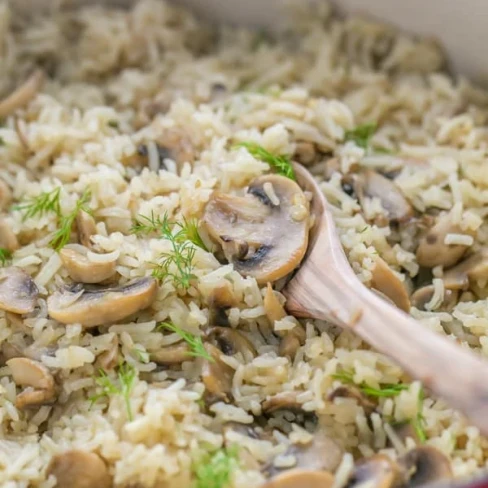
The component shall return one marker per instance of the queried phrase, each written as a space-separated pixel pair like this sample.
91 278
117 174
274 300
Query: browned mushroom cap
425 464
5 195
356 394
219 301
378 471
432 251
91 305
473 268
250 229
79 469
300 478
424 295
231 341
217 376
175 354
370 184
387 282
8 240
22 95
36 377
273 308
85 227
18 292
82 270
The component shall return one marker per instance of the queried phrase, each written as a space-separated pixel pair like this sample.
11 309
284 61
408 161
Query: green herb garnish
2 141
215 470
113 123
62 235
121 385
386 390
361 134
418 422
197 349
5 256
281 164
189 232
141 355
38 206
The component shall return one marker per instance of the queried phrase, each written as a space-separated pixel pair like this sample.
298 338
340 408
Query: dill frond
41 204
197 349
5 255
361 134
121 385
215 470
418 422
62 235
281 164
189 232
385 391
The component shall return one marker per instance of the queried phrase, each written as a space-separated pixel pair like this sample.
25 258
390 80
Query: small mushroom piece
175 354
300 478
231 341
92 305
85 227
424 295
178 145
217 376
273 308
305 152
473 268
405 430
387 282
284 400
8 239
18 292
291 341
22 95
219 301
425 464
370 184
36 377
432 251
79 469
275 206
82 270
378 471
350 391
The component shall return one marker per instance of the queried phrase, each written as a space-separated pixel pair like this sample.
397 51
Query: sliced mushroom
178 145
473 268
356 394
250 229
5 195
175 354
220 300
92 305
36 377
22 95
300 478
291 341
425 464
82 270
387 282
284 400
231 341
79 469
18 292
273 308
85 227
305 152
378 471
432 251
405 430
424 295
370 184
216 376
8 239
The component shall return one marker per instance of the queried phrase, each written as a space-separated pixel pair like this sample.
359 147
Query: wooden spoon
325 287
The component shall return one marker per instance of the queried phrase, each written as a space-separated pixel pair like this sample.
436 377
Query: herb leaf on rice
386 390
40 205
5 256
215 470
361 134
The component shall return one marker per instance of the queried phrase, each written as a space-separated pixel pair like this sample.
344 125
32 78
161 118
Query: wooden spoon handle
450 371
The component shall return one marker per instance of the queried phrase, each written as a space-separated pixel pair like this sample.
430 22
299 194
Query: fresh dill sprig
189 232
38 206
140 355
197 349
62 235
215 470
386 390
418 422
122 385
5 256
281 164
361 134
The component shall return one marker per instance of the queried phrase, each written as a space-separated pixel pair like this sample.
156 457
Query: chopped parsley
5 255
122 385
215 470
282 164
386 390
361 134
44 203
195 343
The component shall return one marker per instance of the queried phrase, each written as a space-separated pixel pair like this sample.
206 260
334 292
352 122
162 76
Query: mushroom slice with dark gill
220 300
79 469
231 341
349 391
421 297
216 376
301 478
18 292
91 305
265 233
370 184
37 379
473 268
81 269
424 465
85 228
378 471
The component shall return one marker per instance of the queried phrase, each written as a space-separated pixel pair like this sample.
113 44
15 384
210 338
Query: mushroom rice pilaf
150 218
